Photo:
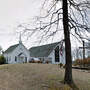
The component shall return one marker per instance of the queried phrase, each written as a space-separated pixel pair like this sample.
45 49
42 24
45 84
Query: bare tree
74 14
77 53
68 68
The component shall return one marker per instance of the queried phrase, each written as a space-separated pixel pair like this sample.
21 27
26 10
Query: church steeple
20 40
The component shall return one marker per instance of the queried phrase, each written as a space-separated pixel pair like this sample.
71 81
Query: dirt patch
39 77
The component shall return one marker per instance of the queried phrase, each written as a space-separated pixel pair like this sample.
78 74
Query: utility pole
83 50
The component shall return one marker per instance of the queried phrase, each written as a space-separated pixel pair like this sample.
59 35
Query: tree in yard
70 17
68 67
2 59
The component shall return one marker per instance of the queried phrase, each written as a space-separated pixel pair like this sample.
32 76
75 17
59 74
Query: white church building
53 53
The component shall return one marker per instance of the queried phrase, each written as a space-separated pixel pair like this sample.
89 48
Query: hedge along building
17 53
53 53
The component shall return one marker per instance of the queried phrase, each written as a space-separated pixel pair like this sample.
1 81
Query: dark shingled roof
11 48
42 51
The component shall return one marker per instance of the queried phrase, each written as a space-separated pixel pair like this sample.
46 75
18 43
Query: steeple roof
11 48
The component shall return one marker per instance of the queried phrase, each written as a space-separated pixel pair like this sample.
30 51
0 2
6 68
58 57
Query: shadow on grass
73 86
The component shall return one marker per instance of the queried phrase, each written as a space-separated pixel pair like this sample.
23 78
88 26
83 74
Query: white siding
19 49
52 55
61 57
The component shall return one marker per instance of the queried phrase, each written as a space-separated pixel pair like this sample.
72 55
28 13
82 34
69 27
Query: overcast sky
12 13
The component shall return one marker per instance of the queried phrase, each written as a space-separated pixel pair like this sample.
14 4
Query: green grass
40 77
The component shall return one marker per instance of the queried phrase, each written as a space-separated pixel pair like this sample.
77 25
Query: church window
15 58
57 54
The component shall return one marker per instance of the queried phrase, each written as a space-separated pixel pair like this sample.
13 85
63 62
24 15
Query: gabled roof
42 51
11 48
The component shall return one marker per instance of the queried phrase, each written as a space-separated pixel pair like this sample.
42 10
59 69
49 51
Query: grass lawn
40 77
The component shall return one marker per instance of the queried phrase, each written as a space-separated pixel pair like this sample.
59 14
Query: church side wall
52 56
8 57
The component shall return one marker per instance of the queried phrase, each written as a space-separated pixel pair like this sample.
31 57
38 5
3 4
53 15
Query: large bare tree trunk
68 67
